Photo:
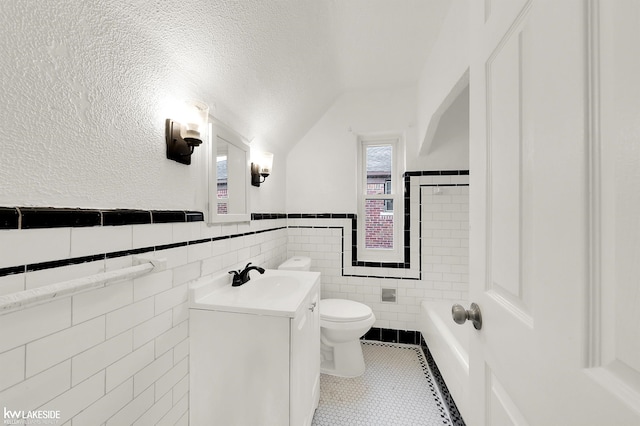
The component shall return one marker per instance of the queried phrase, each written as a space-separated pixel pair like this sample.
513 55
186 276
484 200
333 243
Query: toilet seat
341 310
342 324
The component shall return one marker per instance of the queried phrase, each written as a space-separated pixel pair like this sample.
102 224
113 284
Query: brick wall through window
378 217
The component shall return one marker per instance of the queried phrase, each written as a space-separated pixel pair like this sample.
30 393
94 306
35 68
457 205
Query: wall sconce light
261 166
185 133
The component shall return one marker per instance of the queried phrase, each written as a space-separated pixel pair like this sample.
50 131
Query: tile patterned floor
396 389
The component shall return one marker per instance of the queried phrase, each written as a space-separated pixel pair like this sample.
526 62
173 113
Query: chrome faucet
241 277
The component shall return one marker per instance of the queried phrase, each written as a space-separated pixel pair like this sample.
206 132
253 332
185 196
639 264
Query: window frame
396 254
387 190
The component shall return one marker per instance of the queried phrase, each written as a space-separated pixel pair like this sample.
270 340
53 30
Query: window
222 194
388 204
379 221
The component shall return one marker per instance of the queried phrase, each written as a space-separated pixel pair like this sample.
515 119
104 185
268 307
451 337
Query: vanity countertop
274 293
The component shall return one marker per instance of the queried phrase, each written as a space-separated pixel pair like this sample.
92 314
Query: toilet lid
341 310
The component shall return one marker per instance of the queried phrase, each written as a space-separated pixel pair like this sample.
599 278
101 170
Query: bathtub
448 343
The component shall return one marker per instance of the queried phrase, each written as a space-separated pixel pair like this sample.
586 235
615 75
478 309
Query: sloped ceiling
271 68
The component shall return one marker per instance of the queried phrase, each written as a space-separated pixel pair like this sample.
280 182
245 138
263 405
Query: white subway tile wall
445 242
20 247
439 234
116 355
120 354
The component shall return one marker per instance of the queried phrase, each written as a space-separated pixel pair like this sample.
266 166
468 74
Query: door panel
507 223
502 410
555 234
614 351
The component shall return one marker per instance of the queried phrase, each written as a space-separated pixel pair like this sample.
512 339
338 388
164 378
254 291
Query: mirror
228 175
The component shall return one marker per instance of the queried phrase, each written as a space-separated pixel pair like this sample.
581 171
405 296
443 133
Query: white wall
120 354
441 274
449 148
85 89
445 242
84 107
321 178
321 168
444 69
270 196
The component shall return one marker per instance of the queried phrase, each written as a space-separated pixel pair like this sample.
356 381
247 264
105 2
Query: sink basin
271 286
275 293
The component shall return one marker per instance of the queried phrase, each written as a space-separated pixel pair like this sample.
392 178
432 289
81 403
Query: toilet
342 323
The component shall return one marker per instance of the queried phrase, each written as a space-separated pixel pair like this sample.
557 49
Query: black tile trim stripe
454 413
407 226
9 218
390 335
268 216
112 255
125 217
64 262
195 216
168 216
171 246
321 216
354 239
52 217
443 184
202 241
437 173
48 217
13 270
384 265
131 252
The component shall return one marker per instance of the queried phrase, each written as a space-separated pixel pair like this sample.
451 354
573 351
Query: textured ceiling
273 67
89 84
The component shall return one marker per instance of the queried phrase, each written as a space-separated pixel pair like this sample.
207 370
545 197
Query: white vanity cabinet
256 362
304 370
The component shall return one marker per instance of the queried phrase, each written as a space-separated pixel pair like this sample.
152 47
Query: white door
555 212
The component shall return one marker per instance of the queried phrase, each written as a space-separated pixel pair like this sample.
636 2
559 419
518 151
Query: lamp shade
194 119
266 163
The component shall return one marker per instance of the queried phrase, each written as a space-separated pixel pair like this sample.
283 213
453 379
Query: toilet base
342 359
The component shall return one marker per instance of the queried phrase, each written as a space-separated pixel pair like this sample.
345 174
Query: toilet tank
296 263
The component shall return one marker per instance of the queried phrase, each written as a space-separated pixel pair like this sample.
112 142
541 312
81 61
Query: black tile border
112 255
454 414
321 216
168 216
52 217
437 173
407 224
433 387
64 262
9 218
13 270
130 252
268 216
388 335
49 217
192 216
125 217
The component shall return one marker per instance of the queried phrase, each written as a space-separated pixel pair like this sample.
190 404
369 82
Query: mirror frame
218 129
